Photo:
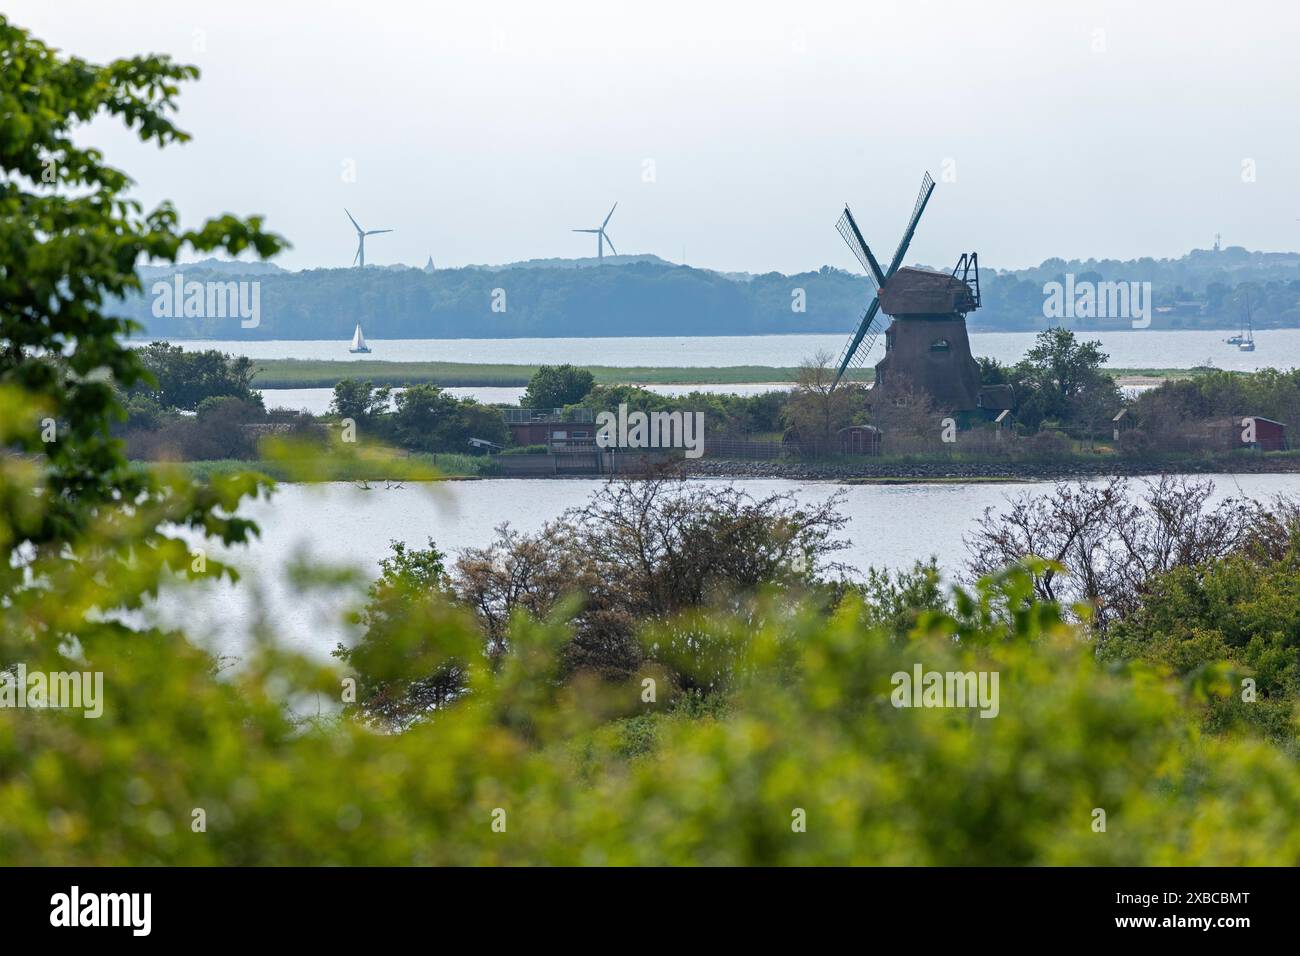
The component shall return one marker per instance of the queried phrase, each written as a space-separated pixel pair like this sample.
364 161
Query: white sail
358 340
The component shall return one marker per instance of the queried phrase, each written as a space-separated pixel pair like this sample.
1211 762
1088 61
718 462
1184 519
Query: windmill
926 344
361 240
601 237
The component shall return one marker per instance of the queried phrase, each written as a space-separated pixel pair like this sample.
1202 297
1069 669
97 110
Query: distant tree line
1207 290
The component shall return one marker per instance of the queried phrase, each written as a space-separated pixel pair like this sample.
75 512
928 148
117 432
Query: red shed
1269 435
1238 431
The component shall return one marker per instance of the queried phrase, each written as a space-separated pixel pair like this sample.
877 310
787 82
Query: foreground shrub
595 773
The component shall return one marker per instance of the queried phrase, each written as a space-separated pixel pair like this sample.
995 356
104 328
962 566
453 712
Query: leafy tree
896 600
71 239
993 372
409 599
1060 377
428 419
180 379
724 415
554 386
143 413
1238 610
358 400
479 421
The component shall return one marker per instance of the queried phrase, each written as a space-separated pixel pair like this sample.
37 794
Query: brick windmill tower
926 345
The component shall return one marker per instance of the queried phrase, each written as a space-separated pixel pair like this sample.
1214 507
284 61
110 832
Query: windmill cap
912 291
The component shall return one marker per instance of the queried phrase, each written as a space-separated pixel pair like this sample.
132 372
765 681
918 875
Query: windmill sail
923 197
848 229
859 345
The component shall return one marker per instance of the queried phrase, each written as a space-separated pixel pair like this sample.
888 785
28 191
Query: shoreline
865 472
272 374
992 472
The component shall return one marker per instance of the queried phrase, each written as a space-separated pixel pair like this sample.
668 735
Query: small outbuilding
1244 431
1269 435
552 427
859 440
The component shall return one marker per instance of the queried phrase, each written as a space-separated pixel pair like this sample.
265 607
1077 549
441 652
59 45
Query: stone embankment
957 471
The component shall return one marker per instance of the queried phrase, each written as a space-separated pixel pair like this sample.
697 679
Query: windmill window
939 345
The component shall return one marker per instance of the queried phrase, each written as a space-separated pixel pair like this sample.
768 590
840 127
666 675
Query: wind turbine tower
360 257
602 237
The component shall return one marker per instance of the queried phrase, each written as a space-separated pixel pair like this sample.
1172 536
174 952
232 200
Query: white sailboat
1247 343
359 341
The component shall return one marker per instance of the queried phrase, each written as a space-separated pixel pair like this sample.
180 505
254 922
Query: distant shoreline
1028 329
326 373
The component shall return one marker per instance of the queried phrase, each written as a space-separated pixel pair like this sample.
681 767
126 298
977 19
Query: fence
528 416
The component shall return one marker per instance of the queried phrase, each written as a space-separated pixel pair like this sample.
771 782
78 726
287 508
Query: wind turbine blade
586 230
357 256
610 241
375 232
611 212
354 222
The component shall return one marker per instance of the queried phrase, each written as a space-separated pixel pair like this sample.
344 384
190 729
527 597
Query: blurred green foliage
1242 611
594 774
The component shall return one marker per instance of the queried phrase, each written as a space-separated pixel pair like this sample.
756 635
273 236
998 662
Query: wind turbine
602 237
361 241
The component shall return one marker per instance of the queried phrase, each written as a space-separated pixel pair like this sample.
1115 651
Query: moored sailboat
1247 343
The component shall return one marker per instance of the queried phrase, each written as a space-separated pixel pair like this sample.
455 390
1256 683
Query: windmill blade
927 187
354 222
610 241
586 230
607 218
375 232
855 353
848 229
357 256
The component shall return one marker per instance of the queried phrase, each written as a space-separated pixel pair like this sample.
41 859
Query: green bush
589 774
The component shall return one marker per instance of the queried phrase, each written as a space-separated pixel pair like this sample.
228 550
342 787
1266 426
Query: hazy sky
482 132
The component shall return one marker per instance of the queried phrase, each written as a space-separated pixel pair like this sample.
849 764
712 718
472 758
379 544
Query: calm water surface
317 400
1128 348
339 524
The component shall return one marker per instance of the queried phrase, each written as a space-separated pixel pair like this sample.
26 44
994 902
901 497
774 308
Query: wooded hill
644 295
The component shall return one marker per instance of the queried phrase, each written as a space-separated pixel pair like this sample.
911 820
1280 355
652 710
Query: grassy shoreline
311 373
959 470
449 466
